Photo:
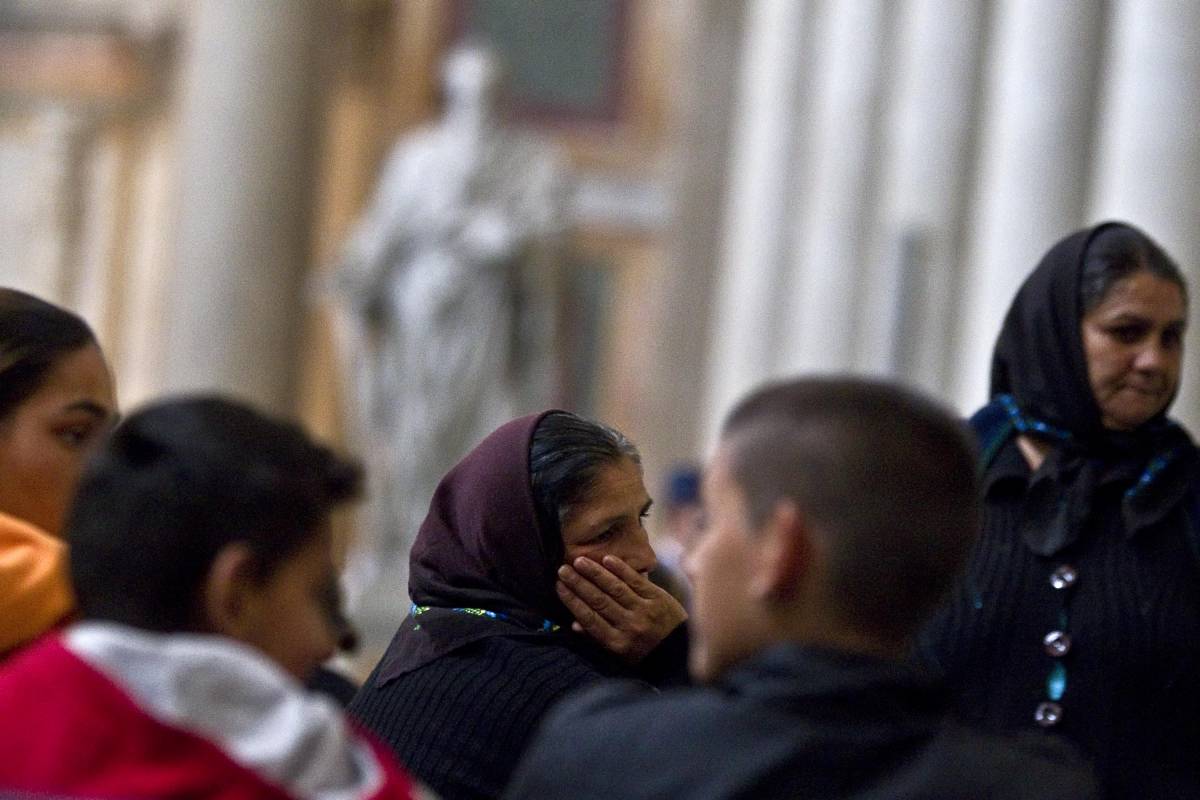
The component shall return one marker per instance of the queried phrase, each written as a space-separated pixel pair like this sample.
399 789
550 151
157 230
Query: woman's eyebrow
615 518
90 407
600 525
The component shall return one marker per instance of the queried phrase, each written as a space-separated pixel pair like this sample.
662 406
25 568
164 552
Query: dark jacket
462 721
1124 687
792 723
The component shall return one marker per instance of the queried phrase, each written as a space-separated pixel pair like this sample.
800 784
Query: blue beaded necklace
1020 423
547 626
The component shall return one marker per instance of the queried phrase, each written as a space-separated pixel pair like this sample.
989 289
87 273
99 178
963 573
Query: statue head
472 77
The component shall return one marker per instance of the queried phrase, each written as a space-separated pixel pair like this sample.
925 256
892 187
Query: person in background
1079 616
56 403
528 580
839 511
683 519
201 560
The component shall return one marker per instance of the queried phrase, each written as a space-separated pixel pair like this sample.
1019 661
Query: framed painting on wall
567 59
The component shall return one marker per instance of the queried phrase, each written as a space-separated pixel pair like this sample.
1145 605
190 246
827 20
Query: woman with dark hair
56 401
528 580
1079 615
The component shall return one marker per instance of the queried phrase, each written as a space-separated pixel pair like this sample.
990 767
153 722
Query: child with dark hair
200 553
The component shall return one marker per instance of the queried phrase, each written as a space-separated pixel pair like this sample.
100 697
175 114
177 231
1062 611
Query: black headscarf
481 564
1039 362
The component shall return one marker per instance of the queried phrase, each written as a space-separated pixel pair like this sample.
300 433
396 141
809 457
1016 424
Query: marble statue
447 281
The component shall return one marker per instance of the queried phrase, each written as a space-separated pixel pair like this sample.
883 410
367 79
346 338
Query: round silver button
1064 577
1048 714
1057 643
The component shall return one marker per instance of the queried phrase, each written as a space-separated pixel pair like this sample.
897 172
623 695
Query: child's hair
178 481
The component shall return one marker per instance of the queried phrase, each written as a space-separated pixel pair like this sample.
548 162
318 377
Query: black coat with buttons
1097 643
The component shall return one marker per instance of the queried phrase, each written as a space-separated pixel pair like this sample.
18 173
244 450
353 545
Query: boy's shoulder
68 728
113 710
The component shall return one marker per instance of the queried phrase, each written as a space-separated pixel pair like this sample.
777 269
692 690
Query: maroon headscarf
480 547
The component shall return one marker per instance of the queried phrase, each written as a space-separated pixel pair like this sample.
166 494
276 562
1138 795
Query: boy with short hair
839 510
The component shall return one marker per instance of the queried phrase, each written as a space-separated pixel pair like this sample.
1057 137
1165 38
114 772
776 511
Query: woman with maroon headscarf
528 579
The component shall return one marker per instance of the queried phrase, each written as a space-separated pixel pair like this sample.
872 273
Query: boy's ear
786 550
227 590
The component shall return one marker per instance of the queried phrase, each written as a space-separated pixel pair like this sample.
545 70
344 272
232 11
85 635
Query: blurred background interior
755 187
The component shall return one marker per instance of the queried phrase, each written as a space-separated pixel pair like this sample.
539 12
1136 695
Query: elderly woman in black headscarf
1079 615
528 580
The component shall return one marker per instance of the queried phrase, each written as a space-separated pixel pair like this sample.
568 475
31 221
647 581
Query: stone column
754 254
827 277
1036 146
39 213
928 134
246 123
138 352
1148 165
682 294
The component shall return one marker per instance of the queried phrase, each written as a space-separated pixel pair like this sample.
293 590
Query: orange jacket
35 592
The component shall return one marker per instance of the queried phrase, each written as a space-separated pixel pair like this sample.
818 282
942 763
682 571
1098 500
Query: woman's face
44 441
1133 341
609 522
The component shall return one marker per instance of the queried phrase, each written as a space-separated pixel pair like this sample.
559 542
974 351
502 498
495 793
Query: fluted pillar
670 427
827 285
756 246
37 221
927 138
246 126
1037 134
1148 164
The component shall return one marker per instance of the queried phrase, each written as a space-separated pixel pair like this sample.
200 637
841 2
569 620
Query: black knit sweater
1128 685
461 722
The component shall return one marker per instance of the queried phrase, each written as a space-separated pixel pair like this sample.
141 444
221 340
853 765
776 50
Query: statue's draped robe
448 282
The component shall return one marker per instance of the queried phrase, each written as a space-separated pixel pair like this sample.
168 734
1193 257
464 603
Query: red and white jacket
108 711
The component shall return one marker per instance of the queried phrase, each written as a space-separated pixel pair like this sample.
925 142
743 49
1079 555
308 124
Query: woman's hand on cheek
617 606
